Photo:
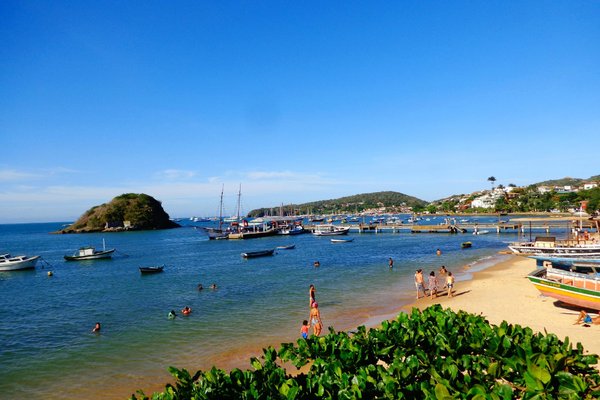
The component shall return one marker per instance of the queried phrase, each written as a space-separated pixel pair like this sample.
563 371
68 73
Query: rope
122 254
44 262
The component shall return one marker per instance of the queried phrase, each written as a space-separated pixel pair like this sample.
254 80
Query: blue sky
297 101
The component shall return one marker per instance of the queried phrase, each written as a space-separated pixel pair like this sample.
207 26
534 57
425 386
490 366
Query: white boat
477 232
330 230
89 253
341 240
548 245
293 230
8 263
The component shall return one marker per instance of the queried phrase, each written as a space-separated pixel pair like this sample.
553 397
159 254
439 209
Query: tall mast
239 203
221 208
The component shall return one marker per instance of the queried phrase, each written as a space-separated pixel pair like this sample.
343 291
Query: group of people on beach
314 317
433 283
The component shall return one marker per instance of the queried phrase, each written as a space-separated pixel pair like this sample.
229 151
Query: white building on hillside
488 200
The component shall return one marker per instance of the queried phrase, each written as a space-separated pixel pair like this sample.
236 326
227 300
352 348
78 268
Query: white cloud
11 175
175 174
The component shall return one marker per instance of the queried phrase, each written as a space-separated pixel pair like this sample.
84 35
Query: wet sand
500 292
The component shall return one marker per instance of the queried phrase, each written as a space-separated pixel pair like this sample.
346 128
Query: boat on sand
570 287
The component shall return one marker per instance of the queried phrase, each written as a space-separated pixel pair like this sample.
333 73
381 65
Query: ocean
47 349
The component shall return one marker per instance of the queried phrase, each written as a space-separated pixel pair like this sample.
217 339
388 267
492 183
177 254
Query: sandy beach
503 293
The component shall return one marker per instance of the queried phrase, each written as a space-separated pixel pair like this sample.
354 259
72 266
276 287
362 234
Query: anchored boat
8 263
152 270
330 230
261 253
90 253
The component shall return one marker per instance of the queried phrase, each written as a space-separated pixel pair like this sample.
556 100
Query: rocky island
130 211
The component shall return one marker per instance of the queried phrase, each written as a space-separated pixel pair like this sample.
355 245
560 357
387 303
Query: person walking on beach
315 319
304 329
433 285
391 263
311 295
419 283
449 283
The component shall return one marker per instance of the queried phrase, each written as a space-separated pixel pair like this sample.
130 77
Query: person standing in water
391 263
315 319
419 283
311 295
432 285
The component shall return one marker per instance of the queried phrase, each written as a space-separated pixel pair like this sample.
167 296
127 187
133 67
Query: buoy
50 273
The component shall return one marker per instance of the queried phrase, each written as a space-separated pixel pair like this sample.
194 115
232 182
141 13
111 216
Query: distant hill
130 211
349 204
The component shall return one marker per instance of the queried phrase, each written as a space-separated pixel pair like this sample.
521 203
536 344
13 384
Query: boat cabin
86 251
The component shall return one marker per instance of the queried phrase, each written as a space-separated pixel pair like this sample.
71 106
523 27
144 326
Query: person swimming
213 286
97 327
172 314
186 310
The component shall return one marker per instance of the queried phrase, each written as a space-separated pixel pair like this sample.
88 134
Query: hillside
128 211
393 201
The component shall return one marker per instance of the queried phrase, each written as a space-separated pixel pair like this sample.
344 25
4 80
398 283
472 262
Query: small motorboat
341 240
289 247
466 245
14 263
477 232
152 270
260 253
89 253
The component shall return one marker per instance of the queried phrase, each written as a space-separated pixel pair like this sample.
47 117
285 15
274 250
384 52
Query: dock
514 226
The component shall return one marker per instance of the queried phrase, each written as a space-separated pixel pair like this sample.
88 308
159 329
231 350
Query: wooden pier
518 226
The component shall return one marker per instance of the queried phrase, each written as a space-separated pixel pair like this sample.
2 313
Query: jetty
517 225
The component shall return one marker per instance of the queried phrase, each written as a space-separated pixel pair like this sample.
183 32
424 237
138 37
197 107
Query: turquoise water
47 350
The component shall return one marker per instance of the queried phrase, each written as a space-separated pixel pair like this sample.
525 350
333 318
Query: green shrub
433 354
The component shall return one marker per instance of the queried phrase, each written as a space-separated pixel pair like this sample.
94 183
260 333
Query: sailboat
218 233
244 230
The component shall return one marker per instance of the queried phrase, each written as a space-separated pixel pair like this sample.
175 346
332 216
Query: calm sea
48 351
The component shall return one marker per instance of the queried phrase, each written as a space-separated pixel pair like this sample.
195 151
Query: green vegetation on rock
433 354
129 211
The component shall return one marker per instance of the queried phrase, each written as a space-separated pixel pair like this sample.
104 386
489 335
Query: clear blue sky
297 101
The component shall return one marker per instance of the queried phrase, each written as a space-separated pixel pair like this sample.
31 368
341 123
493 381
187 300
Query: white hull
18 263
561 251
341 231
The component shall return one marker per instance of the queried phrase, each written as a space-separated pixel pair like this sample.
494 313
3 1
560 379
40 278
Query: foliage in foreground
433 354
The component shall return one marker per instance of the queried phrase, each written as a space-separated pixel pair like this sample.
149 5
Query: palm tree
492 180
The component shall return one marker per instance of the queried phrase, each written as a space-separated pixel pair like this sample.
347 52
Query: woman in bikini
311 295
315 319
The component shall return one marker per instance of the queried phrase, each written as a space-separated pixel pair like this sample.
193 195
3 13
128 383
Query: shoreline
502 292
499 292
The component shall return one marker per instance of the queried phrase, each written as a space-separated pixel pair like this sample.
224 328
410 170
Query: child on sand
449 283
304 329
